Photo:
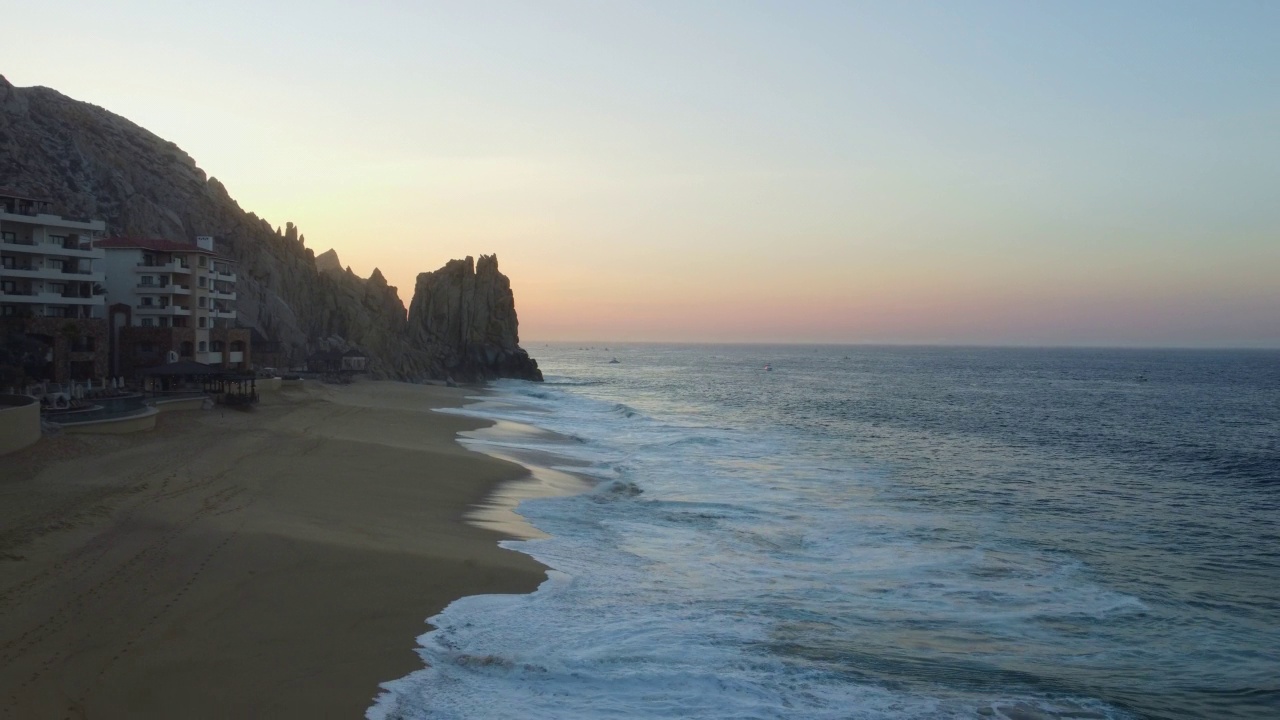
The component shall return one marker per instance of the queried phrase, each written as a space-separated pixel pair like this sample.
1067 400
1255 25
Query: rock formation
465 315
93 163
328 261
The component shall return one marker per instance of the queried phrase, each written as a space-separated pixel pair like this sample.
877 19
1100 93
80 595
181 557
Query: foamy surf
771 560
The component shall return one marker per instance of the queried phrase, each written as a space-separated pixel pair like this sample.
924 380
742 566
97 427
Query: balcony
79 300
69 274
31 216
169 267
70 250
165 289
224 276
36 272
220 295
162 310
33 297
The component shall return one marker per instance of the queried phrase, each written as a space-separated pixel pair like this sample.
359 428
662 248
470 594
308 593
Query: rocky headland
461 322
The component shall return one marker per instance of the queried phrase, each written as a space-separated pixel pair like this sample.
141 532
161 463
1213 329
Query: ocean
881 532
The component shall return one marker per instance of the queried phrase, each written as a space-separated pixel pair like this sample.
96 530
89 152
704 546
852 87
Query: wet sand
276 564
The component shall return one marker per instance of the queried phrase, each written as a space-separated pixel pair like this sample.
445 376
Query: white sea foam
715 573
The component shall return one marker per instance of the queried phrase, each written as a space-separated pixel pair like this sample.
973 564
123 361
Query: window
147 280
202 322
216 346
8 310
203 300
203 346
204 282
60 240
147 300
148 322
164 322
9 237
149 260
202 261
9 262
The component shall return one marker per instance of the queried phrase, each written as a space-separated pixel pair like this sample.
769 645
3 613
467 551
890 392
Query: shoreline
280 563
543 477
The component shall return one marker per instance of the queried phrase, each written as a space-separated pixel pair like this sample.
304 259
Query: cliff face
93 163
464 314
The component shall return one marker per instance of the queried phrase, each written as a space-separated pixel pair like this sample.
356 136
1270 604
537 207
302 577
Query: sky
1007 173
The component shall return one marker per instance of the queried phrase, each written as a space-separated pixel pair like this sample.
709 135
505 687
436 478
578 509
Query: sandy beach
274 564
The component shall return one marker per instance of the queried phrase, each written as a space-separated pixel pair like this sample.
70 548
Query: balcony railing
49 298
170 310
169 267
36 272
163 288
69 249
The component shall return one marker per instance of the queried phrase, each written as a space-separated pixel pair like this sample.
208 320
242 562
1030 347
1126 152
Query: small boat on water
768 367
613 361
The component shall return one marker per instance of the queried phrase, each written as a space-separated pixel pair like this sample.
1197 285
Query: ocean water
877 532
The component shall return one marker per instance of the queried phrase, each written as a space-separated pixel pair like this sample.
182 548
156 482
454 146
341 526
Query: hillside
93 163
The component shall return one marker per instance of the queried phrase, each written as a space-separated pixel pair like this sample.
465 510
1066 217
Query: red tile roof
157 245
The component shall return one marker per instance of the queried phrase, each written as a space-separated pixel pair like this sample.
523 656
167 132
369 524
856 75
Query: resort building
170 301
51 284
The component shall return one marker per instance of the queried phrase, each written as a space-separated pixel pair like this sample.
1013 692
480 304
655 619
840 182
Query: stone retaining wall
19 422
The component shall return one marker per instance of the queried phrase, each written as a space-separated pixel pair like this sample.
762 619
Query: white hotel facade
48 264
51 287
177 301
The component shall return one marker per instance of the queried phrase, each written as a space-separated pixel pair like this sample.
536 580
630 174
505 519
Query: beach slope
278 563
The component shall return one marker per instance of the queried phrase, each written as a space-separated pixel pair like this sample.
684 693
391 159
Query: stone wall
75 340
134 359
233 335
19 422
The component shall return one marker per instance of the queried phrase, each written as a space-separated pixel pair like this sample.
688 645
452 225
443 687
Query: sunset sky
1101 173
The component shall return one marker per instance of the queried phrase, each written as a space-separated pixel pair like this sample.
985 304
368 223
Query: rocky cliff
93 163
464 315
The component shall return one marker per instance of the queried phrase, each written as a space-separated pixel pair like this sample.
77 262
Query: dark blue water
888 532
